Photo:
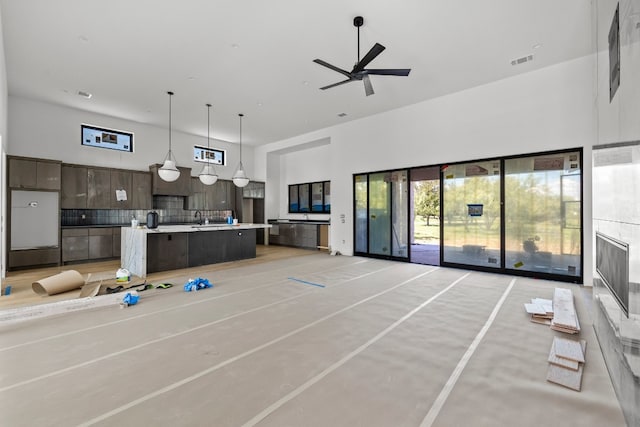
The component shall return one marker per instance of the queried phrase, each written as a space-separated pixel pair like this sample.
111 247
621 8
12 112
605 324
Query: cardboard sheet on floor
58 283
90 290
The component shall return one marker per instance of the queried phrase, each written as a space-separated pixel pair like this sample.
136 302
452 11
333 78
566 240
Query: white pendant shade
240 177
169 172
208 175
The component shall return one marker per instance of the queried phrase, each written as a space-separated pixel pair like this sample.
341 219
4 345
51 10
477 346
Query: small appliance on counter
152 219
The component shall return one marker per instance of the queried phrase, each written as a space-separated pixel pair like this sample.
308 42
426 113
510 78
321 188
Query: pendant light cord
170 95
241 115
208 126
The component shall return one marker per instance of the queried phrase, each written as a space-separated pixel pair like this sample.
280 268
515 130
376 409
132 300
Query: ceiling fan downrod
358 21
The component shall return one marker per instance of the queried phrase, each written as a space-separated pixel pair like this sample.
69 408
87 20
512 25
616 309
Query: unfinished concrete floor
314 340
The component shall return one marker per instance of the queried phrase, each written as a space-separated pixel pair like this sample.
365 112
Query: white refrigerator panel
35 219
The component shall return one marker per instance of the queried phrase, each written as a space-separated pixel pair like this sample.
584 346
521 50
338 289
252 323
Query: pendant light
240 177
169 172
208 175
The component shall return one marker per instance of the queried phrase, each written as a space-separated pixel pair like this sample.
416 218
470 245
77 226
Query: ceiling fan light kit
169 172
208 175
359 72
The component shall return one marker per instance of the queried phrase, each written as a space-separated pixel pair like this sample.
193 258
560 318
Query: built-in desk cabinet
36 174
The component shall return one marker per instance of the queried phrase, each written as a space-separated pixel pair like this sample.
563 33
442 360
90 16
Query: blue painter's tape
305 282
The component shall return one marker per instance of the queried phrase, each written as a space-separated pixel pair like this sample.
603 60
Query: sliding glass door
379 214
543 213
360 189
518 215
381 206
424 202
471 214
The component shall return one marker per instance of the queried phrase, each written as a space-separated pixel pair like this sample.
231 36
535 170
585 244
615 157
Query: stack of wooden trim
565 318
566 362
541 310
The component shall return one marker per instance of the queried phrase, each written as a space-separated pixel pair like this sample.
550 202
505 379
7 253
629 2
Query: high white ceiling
255 56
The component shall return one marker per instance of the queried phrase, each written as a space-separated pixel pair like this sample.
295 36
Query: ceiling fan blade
332 67
368 88
390 72
336 84
370 56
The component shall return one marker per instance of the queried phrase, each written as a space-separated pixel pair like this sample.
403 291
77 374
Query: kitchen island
171 247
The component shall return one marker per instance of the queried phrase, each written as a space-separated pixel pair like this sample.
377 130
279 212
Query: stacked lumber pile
565 318
541 310
566 362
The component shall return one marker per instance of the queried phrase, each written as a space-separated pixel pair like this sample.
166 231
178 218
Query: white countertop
190 228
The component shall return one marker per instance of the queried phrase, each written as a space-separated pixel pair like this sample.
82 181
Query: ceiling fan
359 72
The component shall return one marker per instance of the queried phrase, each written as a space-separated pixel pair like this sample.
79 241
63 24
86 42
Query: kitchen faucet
195 215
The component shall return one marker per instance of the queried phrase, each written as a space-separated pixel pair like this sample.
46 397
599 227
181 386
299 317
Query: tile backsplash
170 211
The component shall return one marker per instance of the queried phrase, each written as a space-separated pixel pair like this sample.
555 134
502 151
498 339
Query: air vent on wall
522 60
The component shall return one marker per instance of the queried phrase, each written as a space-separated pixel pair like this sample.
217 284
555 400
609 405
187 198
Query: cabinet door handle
239 234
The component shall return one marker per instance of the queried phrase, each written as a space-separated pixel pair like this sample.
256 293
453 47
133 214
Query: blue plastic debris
197 284
130 299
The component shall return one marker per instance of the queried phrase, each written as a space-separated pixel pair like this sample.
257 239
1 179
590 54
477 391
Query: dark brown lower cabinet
117 233
210 247
81 244
167 251
299 235
100 243
33 257
75 244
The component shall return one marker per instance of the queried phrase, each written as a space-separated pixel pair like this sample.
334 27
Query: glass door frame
391 213
502 270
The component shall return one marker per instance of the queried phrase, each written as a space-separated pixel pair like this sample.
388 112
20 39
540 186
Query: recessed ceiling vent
522 60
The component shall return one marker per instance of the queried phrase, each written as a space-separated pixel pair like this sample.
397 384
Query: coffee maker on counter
152 219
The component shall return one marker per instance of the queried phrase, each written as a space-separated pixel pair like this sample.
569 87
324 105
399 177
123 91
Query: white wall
549 109
615 213
618 121
618 118
300 167
3 145
49 131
